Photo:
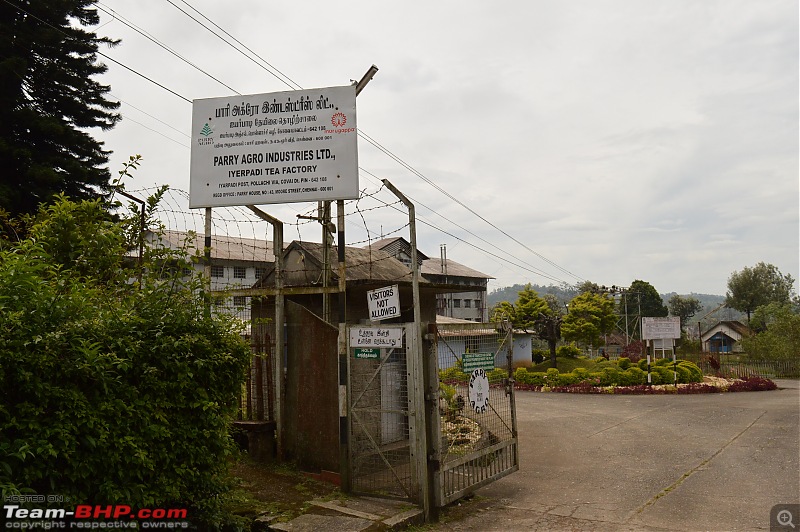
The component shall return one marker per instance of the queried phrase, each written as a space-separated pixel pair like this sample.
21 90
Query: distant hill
565 293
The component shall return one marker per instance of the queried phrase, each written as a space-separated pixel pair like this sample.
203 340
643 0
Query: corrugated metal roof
363 264
434 267
223 247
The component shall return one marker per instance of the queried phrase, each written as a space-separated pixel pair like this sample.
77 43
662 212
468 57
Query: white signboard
384 303
376 337
280 147
657 328
479 391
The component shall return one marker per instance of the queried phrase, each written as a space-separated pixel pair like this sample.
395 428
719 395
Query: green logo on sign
206 131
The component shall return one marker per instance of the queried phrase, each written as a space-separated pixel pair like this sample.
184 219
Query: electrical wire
290 83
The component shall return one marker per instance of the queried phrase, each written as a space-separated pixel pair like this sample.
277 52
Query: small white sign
659 328
376 337
384 303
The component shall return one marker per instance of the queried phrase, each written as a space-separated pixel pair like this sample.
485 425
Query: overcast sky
607 140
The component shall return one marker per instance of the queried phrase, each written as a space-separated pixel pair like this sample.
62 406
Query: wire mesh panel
380 431
476 405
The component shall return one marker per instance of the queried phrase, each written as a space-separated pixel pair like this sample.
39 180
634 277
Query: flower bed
710 385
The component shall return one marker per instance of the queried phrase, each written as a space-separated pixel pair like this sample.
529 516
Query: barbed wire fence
242 253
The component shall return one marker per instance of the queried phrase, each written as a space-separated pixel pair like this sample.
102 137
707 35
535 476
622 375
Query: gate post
433 420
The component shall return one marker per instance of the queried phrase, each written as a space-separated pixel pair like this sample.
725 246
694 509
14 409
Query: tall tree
684 307
47 101
640 300
760 285
590 317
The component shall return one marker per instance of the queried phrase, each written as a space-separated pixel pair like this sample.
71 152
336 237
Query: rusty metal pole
277 248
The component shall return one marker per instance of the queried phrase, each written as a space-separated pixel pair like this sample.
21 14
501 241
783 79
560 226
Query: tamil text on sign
280 147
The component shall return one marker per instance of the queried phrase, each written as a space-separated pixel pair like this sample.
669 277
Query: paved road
675 462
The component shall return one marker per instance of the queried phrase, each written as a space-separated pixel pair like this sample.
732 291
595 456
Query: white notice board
658 328
376 337
280 147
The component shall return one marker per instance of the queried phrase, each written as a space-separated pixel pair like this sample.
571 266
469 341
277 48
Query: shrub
633 376
112 392
453 374
539 355
624 363
609 377
695 373
666 375
752 384
581 373
565 379
568 351
497 375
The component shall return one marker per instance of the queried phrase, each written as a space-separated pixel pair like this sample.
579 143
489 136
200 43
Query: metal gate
476 405
383 421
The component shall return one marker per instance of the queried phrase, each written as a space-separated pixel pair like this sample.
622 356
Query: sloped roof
363 264
434 267
733 325
395 244
222 246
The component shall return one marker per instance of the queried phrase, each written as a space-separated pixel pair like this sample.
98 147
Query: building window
217 271
467 303
239 301
260 272
239 272
477 303
456 303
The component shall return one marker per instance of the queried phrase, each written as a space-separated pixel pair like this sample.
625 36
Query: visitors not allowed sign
279 147
384 303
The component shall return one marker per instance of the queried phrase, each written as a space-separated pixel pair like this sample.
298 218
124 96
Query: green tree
779 333
640 300
533 313
590 317
760 285
684 307
48 100
111 391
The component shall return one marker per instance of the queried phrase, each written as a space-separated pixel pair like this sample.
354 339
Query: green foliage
568 351
110 392
624 363
610 373
757 286
49 102
651 303
453 374
590 317
633 376
779 336
684 307
539 355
